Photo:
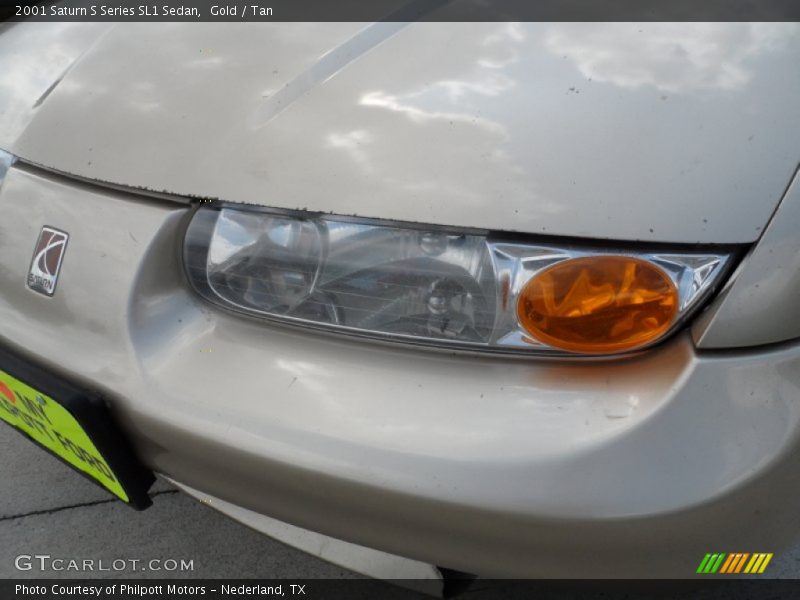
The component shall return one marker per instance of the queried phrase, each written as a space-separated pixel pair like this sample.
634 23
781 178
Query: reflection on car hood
665 132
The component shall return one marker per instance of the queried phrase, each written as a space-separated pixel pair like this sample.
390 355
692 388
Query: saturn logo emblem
47 258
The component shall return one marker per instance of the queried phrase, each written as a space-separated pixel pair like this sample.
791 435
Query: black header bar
401 10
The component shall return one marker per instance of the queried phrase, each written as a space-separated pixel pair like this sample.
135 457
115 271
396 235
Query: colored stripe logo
734 563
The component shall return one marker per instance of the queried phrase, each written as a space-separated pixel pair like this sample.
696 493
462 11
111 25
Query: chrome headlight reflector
441 287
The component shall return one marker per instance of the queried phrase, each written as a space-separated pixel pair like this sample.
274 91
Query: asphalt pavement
46 509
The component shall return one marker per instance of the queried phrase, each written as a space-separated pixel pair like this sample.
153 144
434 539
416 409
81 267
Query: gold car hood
661 132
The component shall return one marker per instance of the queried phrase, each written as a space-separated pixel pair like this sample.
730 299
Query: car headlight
6 160
441 287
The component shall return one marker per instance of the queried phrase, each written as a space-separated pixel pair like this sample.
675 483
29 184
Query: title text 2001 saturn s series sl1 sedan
512 299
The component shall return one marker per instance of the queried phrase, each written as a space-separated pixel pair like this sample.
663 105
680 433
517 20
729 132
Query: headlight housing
429 285
6 160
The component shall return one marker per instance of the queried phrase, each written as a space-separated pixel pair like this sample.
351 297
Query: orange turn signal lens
598 304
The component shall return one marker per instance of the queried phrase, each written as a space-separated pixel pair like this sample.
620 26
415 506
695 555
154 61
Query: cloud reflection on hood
673 57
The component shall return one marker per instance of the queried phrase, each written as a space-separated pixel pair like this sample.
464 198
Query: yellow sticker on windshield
50 424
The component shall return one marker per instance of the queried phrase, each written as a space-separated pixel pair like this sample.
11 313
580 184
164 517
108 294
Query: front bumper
491 465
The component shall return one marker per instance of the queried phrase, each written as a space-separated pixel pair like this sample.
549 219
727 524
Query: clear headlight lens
6 160
441 287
